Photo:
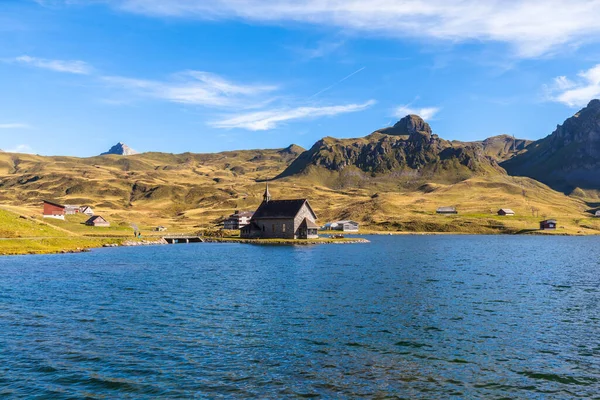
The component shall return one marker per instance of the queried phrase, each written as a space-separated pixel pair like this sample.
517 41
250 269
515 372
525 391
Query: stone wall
278 233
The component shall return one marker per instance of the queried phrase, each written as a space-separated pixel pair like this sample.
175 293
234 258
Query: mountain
567 159
407 153
120 149
500 148
392 179
407 126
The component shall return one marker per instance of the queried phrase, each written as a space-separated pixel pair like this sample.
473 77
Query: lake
401 317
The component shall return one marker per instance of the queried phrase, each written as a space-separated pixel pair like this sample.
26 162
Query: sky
78 76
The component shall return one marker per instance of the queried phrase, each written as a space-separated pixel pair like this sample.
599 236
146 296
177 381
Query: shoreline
49 245
288 242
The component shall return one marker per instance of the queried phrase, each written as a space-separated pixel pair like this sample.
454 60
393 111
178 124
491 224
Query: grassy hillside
190 192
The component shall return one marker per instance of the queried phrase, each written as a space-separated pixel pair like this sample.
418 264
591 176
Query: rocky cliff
407 150
567 159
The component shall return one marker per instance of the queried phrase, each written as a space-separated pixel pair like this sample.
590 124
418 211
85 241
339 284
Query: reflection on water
408 316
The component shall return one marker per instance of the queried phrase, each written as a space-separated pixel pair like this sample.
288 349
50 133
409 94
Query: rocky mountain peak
595 103
411 125
120 149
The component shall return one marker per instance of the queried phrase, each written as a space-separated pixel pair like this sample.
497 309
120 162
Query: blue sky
78 76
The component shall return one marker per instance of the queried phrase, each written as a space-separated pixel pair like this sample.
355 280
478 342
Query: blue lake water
402 317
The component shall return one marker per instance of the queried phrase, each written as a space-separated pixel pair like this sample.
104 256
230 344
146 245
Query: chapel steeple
267 195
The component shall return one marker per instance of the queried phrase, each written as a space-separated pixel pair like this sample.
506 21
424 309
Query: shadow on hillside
594 206
524 231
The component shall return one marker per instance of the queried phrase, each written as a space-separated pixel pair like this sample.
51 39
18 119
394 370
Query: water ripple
404 317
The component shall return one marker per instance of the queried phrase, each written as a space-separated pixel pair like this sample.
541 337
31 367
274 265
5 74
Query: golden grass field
192 192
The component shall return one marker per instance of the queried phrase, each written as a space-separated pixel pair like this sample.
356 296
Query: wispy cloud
270 119
72 66
532 27
196 87
427 113
577 92
21 148
15 125
322 49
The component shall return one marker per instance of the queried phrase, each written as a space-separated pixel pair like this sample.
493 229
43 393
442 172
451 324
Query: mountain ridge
569 158
408 150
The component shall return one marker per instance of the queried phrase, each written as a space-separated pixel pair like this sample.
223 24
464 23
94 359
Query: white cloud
22 148
270 119
196 87
72 67
14 125
210 90
427 113
533 27
576 93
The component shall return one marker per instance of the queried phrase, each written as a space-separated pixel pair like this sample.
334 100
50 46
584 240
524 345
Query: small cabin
87 210
53 210
506 212
446 210
597 215
549 224
97 221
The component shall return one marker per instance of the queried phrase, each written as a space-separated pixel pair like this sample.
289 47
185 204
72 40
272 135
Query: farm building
446 210
282 219
238 220
53 210
548 224
87 210
344 226
97 221
71 210
506 212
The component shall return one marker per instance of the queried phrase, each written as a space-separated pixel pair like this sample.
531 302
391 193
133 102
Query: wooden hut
549 224
506 212
446 210
97 221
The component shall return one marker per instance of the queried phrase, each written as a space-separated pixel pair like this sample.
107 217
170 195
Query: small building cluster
344 226
281 219
58 211
238 220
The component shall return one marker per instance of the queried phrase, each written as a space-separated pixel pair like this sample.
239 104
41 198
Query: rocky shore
287 241
133 243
